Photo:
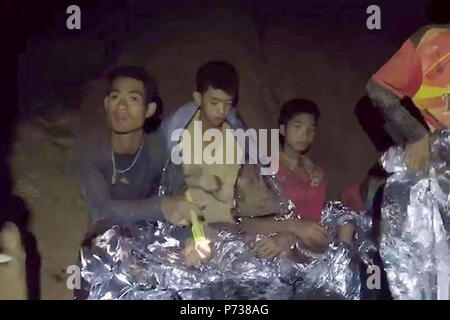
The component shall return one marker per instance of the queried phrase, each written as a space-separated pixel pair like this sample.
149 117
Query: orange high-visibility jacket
421 70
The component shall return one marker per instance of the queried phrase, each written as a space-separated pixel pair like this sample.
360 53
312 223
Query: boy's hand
203 199
196 179
177 210
276 245
346 232
210 183
417 154
313 235
192 257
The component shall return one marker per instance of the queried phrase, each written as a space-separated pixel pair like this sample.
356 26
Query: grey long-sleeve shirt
134 196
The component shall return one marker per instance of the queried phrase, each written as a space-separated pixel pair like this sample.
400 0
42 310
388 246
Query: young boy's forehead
303 118
218 94
128 85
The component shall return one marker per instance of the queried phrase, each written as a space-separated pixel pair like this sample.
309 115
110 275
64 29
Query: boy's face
215 104
125 105
299 131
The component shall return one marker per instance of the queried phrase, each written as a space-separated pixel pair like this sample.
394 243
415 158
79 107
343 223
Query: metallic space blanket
415 227
144 261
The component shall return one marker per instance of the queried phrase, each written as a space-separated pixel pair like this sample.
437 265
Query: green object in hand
200 240
196 226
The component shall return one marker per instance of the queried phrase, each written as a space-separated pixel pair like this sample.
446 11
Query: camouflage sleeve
401 124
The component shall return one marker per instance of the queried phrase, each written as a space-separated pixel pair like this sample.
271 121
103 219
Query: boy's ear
282 129
106 103
197 98
151 109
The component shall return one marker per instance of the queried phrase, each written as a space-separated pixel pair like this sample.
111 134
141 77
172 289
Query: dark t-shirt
134 195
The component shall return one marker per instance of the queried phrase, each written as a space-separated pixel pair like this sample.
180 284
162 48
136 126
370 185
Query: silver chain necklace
115 170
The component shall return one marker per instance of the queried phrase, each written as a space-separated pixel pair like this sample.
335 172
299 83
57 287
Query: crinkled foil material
415 227
144 261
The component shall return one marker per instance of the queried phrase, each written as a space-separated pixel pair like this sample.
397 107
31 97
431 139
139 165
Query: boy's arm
265 225
402 126
96 193
389 89
311 234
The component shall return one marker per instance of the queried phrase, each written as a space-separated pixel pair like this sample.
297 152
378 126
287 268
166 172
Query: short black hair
151 91
295 106
219 75
138 73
